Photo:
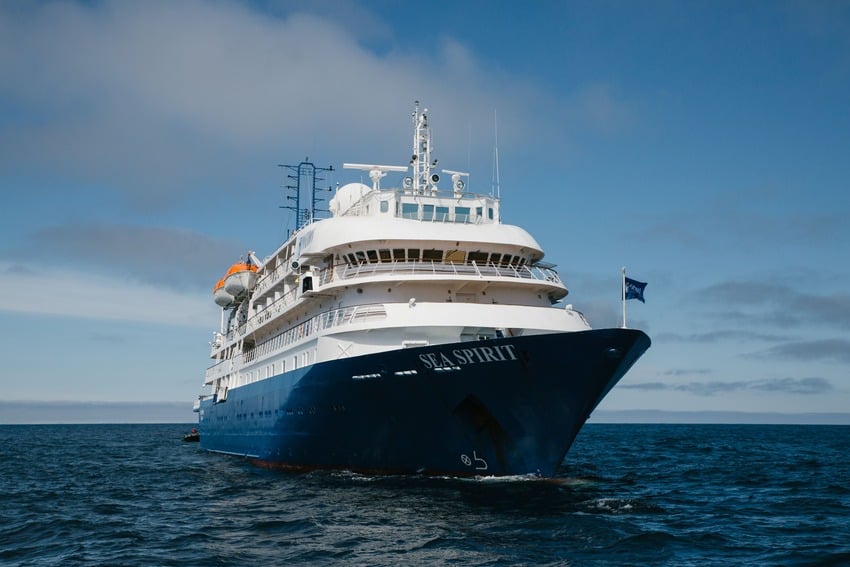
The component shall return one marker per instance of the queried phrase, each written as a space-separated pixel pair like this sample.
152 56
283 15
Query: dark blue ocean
626 495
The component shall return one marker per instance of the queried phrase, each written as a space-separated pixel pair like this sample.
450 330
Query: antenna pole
623 295
421 159
496 183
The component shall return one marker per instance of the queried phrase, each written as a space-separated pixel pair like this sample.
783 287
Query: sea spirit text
462 356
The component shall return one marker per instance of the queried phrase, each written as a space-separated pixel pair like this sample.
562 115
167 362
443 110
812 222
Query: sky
705 146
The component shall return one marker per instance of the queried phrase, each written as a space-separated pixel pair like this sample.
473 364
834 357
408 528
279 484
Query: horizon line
55 412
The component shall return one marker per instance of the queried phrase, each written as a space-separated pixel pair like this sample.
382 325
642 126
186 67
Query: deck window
373 256
478 257
413 255
398 254
432 255
455 256
385 206
384 255
495 258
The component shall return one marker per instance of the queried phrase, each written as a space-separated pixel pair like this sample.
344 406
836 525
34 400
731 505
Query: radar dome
346 196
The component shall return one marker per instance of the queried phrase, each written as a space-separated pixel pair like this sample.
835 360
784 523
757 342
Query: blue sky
704 145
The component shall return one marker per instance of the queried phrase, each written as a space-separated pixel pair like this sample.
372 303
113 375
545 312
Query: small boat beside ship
411 332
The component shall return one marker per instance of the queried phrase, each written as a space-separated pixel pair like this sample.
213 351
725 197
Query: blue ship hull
508 406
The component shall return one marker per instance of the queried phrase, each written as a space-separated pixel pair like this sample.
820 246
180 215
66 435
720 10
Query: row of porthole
302 410
311 410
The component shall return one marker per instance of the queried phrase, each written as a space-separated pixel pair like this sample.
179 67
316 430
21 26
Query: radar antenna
305 175
376 172
458 184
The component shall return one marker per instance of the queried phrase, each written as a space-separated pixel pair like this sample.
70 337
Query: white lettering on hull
464 356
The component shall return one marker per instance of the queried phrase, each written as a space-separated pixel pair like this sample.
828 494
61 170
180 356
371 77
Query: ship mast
423 179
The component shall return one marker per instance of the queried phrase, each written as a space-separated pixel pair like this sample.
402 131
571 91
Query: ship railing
222 368
312 326
271 310
346 272
270 278
488 270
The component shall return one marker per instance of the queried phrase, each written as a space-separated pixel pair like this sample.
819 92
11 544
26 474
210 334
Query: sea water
626 495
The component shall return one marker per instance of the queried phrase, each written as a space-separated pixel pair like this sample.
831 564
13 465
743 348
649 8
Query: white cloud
76 293
155 98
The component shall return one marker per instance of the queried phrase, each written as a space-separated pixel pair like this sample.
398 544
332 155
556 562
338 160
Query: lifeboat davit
240 278
220 295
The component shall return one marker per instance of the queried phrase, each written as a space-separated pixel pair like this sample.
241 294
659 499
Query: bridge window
461 214
427 212
442 214
409 211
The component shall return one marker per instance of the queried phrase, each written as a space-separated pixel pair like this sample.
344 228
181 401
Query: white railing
343 272
300 332
346 273
270 278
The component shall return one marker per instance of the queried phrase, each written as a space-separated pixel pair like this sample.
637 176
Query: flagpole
623 294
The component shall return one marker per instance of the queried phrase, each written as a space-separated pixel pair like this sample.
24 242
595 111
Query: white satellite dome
346 196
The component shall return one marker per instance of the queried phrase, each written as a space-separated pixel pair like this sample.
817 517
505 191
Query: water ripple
654 495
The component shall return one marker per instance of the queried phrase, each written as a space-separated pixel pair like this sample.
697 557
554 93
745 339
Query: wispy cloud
767 302
171 257
812 385
719 336
602 109
837 350
152 98
687 371
51 291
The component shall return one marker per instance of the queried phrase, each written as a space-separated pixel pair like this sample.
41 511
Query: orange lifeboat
220 295
240 278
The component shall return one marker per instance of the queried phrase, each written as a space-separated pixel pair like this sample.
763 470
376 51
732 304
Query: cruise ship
410 332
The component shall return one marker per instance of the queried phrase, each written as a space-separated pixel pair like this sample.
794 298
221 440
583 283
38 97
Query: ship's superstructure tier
374 277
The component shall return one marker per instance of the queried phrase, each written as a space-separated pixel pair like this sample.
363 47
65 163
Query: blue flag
634 289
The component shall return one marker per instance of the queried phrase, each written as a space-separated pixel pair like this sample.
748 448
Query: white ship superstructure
412 265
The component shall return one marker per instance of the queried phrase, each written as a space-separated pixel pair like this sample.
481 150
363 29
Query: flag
634 289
